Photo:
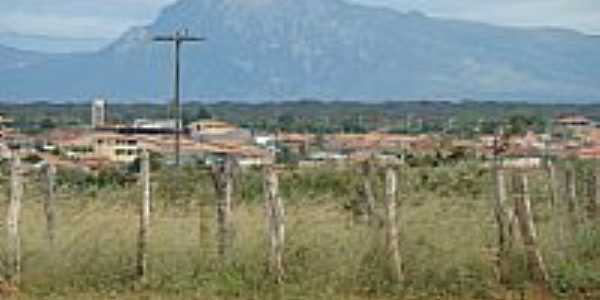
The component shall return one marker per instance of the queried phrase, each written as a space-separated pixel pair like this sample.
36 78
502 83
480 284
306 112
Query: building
212 131
4 124
155 124
575 122
98 113
117 147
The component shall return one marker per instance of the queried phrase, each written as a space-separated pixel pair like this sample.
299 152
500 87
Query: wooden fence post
595 198
391 224
49 207
275 215
13 220
554 184
223 180
504 220
142 251
366 201
535 261
571 189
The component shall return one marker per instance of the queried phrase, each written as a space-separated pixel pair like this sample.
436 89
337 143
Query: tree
199 113
519 124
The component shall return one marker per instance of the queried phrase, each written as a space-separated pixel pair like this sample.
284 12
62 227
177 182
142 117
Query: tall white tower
98 113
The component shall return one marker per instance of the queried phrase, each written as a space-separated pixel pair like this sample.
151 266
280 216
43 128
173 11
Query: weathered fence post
554 184
49 208
13 220
142 251
223 180
203 227
571 189
275 215
366 202
595 198
391 224
504 220
535 261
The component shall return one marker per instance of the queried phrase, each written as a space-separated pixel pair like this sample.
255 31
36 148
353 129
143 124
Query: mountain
329 49
48 44
11 59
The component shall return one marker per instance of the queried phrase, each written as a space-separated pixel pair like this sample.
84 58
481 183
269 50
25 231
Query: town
105 142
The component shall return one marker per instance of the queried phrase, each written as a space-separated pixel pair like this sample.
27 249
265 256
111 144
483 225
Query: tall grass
446 224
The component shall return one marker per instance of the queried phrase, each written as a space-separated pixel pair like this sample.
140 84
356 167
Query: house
588 152
578 125
264 140
117 147
155 124
218 131
4 124
575 122
296 142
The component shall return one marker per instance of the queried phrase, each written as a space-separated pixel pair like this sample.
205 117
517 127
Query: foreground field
447 240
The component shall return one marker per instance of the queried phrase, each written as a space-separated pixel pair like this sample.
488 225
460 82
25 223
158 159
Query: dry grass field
446 223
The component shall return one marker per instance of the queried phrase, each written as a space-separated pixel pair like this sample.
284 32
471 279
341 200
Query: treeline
312 116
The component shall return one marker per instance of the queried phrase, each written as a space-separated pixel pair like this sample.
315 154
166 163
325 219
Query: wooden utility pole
535 261
391 225
142 251
275 215
13 220
177 39
49 207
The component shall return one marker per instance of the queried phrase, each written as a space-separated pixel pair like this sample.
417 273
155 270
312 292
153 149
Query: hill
11 59
49 44
328 49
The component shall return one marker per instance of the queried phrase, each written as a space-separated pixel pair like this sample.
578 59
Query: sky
106 19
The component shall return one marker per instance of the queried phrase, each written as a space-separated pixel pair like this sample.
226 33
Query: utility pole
177 39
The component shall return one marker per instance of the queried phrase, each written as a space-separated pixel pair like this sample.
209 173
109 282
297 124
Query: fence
421 228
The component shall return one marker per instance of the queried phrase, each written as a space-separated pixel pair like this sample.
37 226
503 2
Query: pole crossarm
174 38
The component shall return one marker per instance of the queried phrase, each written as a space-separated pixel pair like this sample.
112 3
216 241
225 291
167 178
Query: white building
155 124
98 113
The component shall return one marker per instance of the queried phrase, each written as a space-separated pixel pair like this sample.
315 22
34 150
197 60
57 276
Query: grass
447 241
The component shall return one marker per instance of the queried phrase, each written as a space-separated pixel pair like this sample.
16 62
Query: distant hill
11 59
47 44
328 49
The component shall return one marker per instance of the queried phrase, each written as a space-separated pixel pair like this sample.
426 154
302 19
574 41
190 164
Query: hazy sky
109 18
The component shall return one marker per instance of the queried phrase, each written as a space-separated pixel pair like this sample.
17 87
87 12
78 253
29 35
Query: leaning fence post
391 224
504 220
142 251
13 219
49 208
275 215
535 261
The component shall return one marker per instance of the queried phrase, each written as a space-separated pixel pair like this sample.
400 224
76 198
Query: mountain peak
329 49
208 7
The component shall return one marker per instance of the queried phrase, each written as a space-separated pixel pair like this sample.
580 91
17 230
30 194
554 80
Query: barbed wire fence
432 223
